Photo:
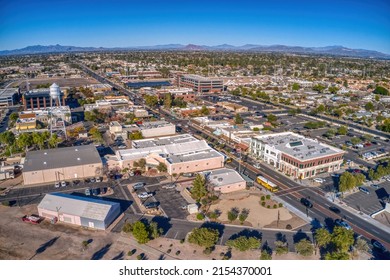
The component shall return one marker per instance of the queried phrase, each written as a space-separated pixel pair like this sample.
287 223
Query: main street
319 212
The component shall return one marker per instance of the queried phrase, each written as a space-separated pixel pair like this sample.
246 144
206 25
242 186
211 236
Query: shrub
213 198
169 251
268 206
199 216
289 227
263 203
177 253
194 252
275 206
140 257
208 251
262 198
182 241
222 254
5 203
280 205
131 252
265 255
171 245
268 196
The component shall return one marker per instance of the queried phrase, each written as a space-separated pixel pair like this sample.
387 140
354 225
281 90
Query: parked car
98 179
138 185
145 195
375 186
306 202
334 209
92 180
34 219
319 180
343 224
95 191
76 182
378 246
151 205
169 186
87 192
364 190
57 185
256 165
63 184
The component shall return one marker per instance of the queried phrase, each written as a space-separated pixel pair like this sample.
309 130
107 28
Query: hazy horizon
351 24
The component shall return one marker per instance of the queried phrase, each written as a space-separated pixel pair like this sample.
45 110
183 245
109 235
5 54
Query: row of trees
26 140
381 170
143 231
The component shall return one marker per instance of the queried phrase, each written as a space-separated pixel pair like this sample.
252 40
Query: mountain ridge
336 50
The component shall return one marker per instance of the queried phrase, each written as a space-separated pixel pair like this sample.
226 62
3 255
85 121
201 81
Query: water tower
57 116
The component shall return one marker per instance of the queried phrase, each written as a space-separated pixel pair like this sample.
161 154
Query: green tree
337 256
154 230
142 163
238 119
272 118
381 90
244 243
54 141
338 113
321 108
136 135
369 106
281 247
7 137
322 237
295 86
232 214
342 130
333 89
377 97
167 101
14 116
342 238
359 179
199 189
151 100
204 111
40 138
265 255
256 129
355 140
304 247
347 182
96 135
243 215
319 88
205 237
162 167
24 141
140 232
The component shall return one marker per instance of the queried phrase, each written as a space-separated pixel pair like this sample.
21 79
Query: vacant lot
62 82
259 216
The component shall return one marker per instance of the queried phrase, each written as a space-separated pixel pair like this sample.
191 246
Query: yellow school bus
267 184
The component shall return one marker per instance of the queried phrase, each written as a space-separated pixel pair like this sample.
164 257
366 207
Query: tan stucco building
62 164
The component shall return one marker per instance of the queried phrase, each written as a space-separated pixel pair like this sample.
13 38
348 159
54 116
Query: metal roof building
59 164
77 210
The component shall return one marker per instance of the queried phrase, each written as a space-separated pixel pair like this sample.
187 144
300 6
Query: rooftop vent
45 153
44 162
78 158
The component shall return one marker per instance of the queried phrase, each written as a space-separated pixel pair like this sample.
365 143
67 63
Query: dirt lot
20 240
62 82
259 216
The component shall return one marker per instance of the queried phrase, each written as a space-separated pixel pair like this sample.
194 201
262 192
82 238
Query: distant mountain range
330 50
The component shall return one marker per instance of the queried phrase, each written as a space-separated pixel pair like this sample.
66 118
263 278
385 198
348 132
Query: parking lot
369 203
170 200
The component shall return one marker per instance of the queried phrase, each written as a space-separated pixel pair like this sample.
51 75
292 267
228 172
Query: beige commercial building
63 164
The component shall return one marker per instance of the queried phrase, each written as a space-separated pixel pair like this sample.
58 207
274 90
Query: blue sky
117 23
